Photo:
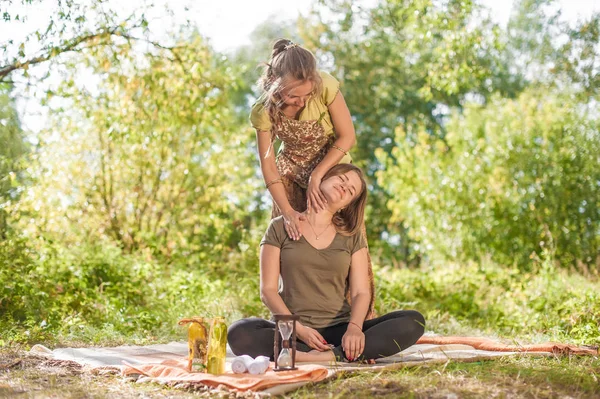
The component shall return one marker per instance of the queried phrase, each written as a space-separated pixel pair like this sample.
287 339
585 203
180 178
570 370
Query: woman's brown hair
350 219
289 61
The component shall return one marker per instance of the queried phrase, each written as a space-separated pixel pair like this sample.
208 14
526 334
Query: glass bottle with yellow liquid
217 346
197 343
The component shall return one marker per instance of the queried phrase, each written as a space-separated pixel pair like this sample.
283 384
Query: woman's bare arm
360 290
269 280
266 156
344 131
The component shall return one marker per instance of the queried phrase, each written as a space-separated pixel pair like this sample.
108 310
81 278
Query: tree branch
72 46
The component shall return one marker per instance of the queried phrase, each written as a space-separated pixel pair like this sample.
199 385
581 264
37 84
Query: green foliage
98 293
156 157
551 52
67 26
61 288
408 63
517 179
488 299
13 149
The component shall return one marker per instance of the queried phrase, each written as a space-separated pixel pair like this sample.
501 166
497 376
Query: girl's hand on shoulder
353 342
314 196
312 338
291 222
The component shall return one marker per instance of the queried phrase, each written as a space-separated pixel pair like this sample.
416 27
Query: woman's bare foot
315 356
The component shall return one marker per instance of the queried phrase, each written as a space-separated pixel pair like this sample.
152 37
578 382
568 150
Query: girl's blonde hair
288 62
350 219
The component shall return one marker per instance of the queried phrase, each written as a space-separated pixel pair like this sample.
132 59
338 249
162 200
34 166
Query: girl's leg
392 333
384 336
254 337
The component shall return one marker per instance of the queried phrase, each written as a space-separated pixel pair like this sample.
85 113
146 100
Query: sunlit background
227 24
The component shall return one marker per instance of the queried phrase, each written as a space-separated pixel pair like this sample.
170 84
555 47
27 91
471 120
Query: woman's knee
419 321
238 334
416 316
412 321
244 336
407 314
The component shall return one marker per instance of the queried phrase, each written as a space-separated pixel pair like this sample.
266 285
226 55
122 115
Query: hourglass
285 326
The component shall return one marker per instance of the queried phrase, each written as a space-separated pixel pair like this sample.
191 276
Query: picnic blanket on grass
166 363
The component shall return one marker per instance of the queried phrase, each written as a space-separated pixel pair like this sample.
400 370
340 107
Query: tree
150 154
71 27
515 180
551 52
407 63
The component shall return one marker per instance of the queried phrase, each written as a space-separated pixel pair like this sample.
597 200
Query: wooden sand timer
285 325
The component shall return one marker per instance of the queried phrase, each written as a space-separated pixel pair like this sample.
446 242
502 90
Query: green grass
490 300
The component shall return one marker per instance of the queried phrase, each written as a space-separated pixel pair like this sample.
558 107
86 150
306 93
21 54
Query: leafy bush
56 287
495 301
99 293
516 179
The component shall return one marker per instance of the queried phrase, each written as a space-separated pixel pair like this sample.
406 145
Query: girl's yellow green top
315 109
306 140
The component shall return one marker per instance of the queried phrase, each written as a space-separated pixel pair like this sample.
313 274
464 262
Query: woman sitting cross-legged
330 258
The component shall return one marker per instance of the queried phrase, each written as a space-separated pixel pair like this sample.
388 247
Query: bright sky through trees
228 24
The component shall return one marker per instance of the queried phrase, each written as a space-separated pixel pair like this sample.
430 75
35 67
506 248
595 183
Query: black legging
384 336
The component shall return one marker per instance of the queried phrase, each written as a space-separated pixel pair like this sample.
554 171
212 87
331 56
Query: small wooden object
285 343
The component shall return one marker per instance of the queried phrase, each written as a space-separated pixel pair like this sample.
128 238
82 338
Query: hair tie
290 45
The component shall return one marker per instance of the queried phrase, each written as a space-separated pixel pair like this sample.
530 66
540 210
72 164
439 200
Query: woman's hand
292 220
312 338
353 342
314 196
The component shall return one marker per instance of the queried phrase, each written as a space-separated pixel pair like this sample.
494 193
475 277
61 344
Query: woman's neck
291 112
321 219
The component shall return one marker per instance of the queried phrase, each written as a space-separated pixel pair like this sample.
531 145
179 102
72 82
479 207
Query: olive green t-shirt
314 280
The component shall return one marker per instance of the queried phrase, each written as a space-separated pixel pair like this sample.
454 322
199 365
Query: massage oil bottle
217 346
197 343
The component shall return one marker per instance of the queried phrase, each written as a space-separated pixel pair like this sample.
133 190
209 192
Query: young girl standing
304 108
